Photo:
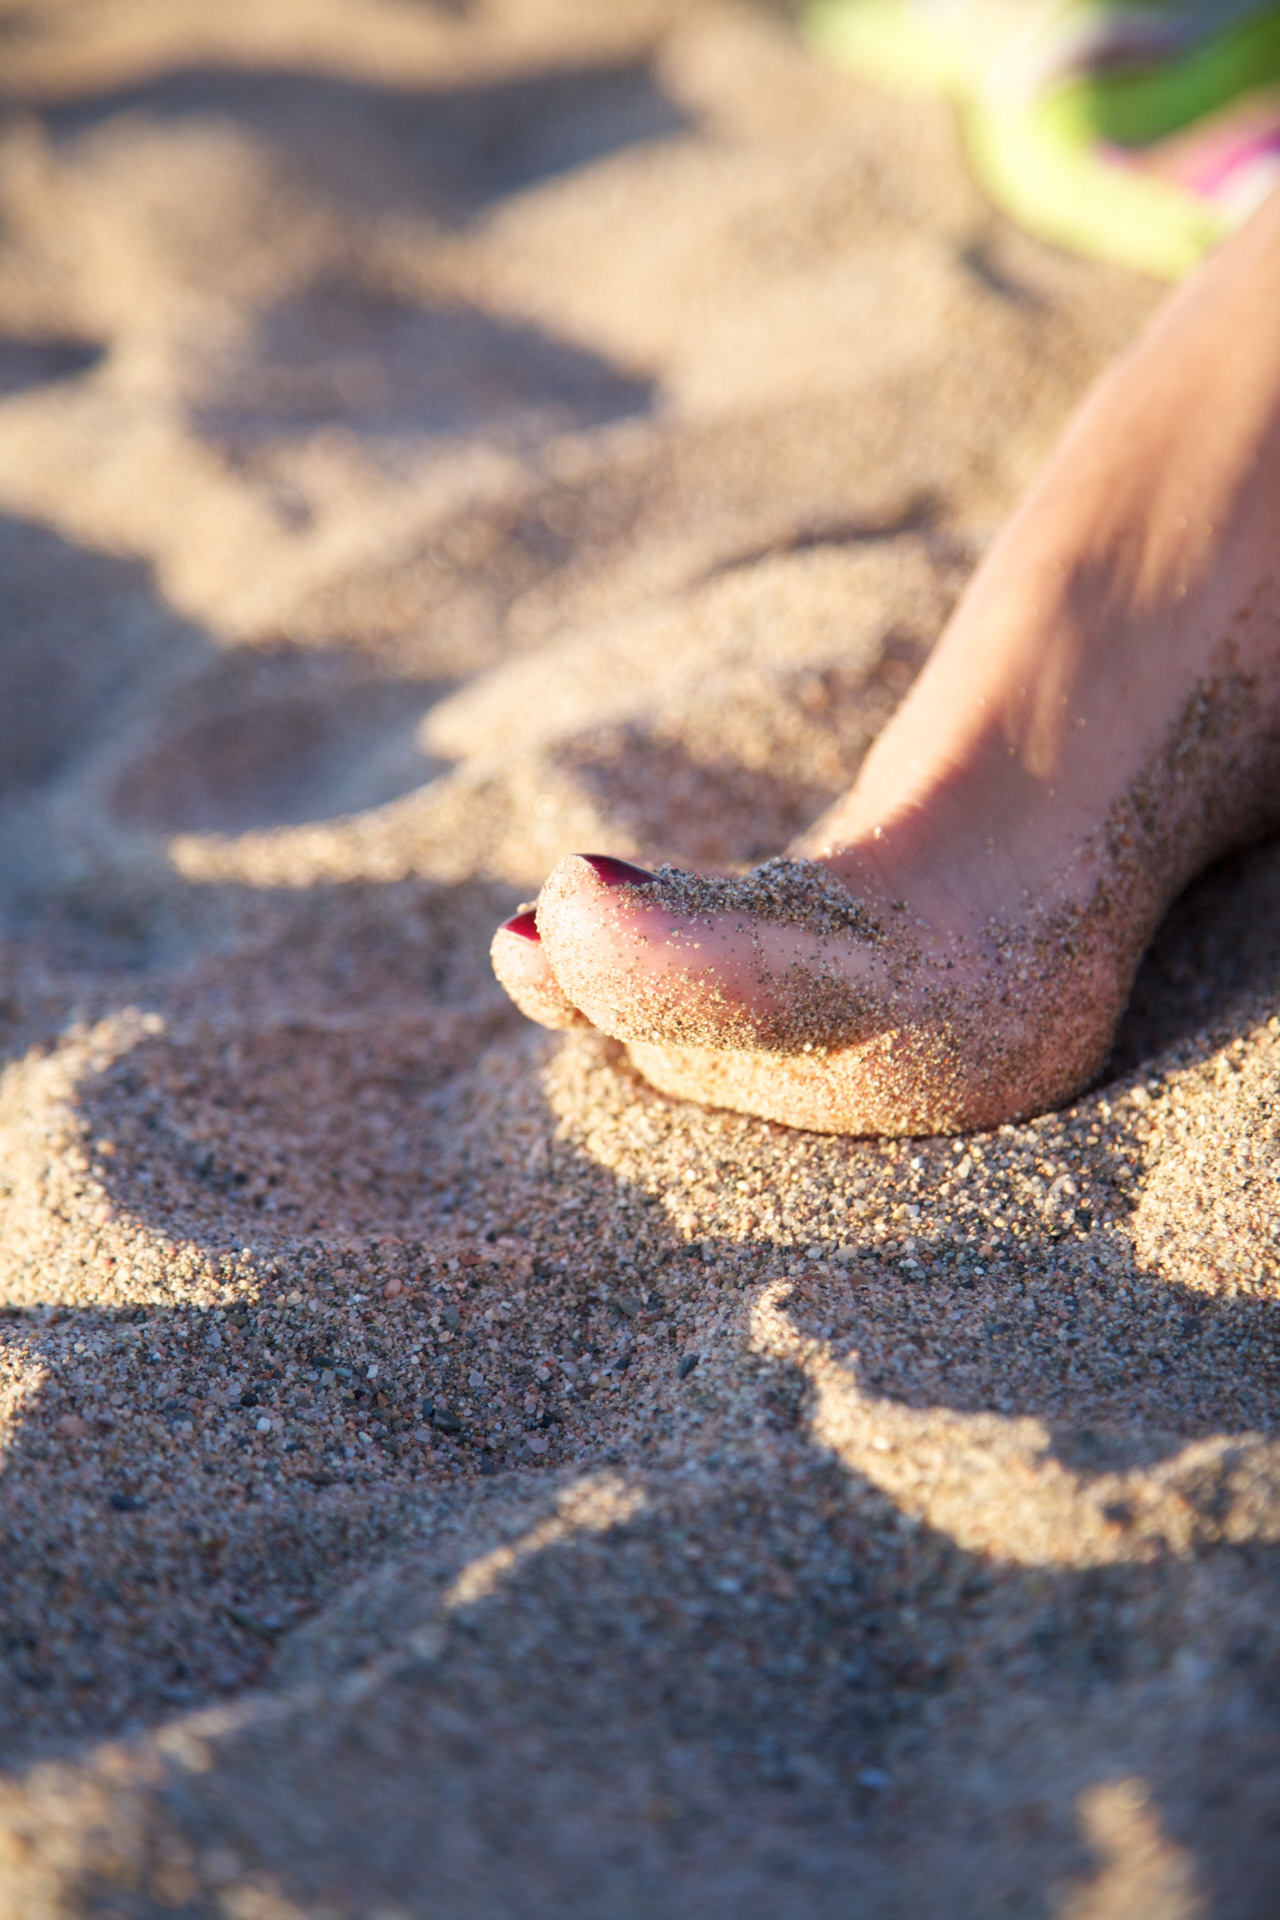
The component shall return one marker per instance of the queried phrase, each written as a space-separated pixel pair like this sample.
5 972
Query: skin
1099 721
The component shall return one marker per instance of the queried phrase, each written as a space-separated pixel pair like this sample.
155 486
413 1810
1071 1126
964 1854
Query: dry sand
441 1476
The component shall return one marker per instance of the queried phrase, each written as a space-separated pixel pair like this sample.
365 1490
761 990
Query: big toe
782 959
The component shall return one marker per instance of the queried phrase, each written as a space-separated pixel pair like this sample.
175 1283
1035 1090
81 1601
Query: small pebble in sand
393 1289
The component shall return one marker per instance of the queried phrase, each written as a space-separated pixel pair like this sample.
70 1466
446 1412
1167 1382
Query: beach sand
441 1475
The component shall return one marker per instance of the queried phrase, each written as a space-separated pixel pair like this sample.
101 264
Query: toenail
524 924
616 873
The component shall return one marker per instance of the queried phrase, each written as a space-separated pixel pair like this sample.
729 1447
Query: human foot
958 937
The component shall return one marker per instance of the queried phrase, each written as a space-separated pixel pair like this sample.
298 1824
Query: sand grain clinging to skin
439 1473
782 892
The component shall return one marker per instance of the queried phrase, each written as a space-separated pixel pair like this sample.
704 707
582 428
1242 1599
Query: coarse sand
441 1476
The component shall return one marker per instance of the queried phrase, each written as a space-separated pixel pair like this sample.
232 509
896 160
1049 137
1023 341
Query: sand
441 1475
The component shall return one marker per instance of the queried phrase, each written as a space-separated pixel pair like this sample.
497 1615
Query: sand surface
441 1476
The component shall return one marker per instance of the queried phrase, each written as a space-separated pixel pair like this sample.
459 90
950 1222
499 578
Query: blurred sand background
442 1477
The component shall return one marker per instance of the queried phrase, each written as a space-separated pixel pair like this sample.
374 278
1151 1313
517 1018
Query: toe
521 964
783 959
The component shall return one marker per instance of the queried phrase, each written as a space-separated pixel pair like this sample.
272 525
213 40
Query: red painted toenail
616 873
525 924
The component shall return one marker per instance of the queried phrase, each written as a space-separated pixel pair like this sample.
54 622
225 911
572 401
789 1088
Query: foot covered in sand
954 943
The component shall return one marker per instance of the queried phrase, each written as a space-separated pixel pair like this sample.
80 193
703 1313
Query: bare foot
954 944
